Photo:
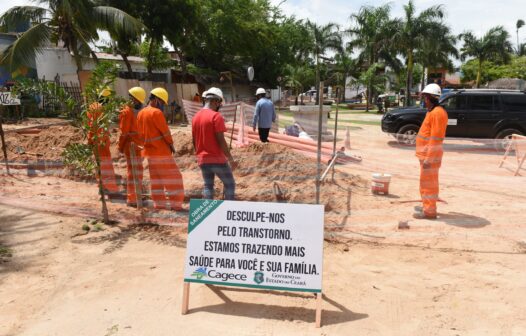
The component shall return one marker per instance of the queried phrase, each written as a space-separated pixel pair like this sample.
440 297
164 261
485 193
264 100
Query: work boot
421 215
418 208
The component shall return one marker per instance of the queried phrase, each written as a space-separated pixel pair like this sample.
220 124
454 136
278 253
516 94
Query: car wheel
407 134
503 138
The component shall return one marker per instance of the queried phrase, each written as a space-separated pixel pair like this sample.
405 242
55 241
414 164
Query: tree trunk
344 87
479 73
94 56
182 62
105 215
128 65
423 82
149 63
409 81
367 93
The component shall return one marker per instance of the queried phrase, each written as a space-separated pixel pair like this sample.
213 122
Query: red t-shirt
205 124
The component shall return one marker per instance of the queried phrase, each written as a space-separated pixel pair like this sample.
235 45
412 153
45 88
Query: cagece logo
226 276
200 273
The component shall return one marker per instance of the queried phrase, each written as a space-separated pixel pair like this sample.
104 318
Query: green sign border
199 210
219 283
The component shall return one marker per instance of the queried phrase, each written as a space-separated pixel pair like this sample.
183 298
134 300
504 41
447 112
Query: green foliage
74 23
49 91
492 71
155 56
98 227
103 76
85 227
79 157
494 46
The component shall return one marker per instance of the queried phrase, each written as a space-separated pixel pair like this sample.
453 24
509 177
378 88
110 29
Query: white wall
53 61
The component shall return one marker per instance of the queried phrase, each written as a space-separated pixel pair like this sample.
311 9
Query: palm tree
297 77
371 78
72 23
325 38
436 52
347 66
372 33
493 46
520 23
412 30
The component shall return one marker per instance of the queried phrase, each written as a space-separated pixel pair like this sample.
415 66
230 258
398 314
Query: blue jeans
223 171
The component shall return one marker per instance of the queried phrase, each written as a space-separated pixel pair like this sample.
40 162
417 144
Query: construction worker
129 135
213 155
165 178
102 140
429 151
264 115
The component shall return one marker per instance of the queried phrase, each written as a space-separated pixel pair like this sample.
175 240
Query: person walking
166 180
129 134
211 149
429 151
101 138
264 115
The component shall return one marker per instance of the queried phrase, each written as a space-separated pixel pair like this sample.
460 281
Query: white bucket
380 183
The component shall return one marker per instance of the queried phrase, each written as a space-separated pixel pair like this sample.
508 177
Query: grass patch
5 252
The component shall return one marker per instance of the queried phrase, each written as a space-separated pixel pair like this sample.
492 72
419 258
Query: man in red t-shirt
213 156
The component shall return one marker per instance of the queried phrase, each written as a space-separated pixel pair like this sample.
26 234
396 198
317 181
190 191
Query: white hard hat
261 91
213 91
433 89
203 95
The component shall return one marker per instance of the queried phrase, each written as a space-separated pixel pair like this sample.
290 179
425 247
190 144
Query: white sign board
7 99
259 245
452 122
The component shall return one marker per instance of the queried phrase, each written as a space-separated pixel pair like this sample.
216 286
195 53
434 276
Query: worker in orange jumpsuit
429 151
165 178
102 139
129 135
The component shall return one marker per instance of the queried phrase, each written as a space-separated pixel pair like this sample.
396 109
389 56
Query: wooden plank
319 300
186 298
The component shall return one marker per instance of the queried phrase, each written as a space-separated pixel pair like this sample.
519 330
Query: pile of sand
266 172
47 145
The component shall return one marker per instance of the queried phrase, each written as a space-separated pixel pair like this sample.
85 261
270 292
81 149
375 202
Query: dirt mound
270 172
47 145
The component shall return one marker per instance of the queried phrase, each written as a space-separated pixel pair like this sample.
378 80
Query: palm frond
22 14
25 48
113 19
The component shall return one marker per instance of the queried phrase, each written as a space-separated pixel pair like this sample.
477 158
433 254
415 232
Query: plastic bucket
380 183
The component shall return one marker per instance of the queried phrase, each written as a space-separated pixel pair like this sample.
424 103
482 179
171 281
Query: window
514 103
456 103
482 102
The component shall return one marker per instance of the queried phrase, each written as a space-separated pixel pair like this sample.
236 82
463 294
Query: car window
482 102
514 103
456 103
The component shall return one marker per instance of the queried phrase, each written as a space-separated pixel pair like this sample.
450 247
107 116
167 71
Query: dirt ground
462 274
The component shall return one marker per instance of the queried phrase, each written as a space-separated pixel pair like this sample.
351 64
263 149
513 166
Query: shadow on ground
464 220
333 313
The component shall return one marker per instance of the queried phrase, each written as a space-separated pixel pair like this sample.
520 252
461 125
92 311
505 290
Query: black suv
477 113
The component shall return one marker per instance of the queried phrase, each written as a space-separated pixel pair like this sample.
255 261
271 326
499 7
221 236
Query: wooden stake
4 147
319 300
186 298
138 189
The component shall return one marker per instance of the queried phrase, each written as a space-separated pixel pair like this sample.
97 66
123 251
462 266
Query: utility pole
318 166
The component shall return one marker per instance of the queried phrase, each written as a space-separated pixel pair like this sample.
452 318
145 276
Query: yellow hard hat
161 94
106 92
138 93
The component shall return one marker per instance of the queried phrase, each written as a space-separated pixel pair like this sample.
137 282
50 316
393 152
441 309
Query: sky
462 15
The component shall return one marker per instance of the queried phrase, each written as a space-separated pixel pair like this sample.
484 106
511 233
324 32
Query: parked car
477 113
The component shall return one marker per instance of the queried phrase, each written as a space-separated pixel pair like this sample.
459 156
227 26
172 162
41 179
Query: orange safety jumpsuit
164 173
429 149
107 173
129 135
